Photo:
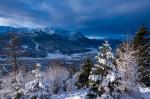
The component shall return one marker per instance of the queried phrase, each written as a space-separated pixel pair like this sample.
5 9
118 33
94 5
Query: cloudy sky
89 16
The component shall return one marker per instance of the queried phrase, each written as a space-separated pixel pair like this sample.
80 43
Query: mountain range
39 42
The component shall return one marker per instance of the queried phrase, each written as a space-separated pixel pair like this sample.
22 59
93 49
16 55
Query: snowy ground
64 56
72 56
57 56
72 95
76 56
145 94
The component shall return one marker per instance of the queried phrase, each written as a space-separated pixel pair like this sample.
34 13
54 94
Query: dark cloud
90 16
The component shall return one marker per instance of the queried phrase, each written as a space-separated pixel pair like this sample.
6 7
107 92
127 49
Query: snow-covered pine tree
38 88
146 72
141 43
83 74
17 85
126 62
103 76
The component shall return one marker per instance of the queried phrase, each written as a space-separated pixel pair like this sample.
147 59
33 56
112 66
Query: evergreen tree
17 86
141 43
146 67
126 62
37 89
17 82
82 79
139 38
103 76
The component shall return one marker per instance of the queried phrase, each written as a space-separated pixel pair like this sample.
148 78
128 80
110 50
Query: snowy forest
120 74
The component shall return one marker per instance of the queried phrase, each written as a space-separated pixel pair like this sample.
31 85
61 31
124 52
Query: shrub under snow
37 88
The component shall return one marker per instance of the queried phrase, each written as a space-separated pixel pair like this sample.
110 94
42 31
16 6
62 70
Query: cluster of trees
35 84
113 75
108 77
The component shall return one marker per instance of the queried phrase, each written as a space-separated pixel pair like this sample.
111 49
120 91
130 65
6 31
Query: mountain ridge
38 42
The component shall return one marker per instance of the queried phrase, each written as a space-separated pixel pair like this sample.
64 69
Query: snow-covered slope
81 94
145 93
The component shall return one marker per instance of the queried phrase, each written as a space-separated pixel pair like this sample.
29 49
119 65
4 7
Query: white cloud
17 23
